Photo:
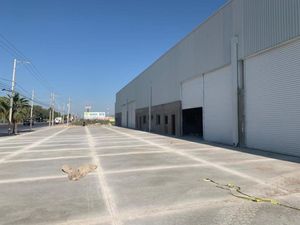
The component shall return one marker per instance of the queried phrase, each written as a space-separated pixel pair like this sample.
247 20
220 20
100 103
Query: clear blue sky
90 49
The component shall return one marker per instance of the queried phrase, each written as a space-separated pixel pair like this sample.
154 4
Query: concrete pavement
141 179
21 128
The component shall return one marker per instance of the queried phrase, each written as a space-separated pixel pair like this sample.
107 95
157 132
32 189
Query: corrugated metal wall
192 93
217 111
258 24
272 100
203 50
269 22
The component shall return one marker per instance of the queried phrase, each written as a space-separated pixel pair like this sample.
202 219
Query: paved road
142 179
21 128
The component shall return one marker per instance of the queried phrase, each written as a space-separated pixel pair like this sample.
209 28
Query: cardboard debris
76 174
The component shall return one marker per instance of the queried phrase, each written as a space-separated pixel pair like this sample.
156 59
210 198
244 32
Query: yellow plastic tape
231 187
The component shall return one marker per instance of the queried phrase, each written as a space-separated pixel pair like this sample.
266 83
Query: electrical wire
11 49
21 93
31 68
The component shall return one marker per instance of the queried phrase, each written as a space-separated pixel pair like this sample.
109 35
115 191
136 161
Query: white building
235 80
94 115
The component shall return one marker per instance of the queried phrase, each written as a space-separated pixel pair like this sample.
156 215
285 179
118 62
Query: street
141 179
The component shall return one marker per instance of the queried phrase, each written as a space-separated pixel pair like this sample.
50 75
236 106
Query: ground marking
148 213
131 153
80 156
13 146
22 135
120 146
154 168
45 159
35 144
46 145
58 150
106 192
4 153
30 179
212 164
143 169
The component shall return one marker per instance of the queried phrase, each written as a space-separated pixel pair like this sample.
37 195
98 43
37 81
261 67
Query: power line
37 101
17 84
31 68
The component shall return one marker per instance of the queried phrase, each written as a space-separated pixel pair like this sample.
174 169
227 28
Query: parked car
58 120
27 122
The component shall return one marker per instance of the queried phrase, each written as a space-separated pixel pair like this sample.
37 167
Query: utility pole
50 110
69 109
12 94
31 110
63 113
53 108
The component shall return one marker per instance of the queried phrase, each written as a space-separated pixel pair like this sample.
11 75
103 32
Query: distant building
94 115
88 108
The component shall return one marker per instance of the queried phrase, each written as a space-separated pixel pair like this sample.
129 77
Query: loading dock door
218 106
272 100
192 122
131 115
124 115
192 93
192 103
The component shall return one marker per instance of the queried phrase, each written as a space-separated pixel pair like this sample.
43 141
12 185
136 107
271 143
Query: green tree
4 107
40 113
20 109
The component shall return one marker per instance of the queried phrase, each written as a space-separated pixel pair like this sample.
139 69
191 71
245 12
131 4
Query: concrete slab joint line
35 144
22 135
106 192
208 163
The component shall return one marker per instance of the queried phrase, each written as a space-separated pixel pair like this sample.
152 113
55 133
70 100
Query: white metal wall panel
272 100
204 49
258 24
269 22
131 115
124 115
192 93
218 106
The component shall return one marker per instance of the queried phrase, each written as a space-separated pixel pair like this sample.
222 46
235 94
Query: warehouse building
234 80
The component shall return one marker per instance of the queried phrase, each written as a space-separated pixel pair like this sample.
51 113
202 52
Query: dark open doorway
192 122
173 125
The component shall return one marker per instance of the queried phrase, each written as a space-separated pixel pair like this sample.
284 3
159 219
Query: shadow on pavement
263 153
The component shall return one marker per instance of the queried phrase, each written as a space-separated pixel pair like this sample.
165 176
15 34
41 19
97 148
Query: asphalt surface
141 179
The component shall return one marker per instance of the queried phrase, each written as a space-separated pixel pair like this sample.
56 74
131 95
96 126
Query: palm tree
4 107
20 109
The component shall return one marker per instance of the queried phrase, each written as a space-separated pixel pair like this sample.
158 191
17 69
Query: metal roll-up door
272 100
192 93
131 115
218 106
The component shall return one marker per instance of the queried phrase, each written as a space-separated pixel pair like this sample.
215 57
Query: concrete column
150 108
